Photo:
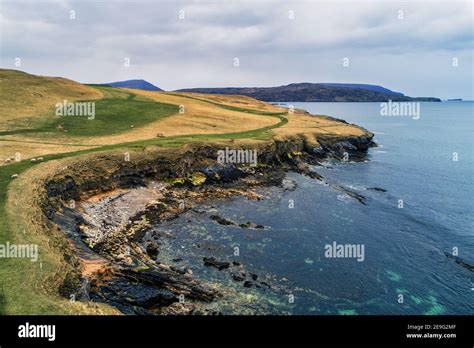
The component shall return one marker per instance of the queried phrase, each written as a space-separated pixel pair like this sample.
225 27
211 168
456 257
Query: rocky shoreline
108 208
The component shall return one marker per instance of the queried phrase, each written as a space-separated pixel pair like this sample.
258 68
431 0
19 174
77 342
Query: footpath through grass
230 107
115 113
128 105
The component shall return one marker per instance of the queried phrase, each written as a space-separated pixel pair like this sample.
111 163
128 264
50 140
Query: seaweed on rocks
226 222
135 282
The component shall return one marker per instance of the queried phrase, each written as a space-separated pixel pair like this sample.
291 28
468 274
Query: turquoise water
404 248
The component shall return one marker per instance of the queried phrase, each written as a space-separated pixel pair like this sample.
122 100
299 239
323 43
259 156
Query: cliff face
107 172
132 281
310 92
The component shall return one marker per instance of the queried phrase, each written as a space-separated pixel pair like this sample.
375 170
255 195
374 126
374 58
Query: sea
408 250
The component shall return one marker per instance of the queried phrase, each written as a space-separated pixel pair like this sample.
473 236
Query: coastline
107 256
180 150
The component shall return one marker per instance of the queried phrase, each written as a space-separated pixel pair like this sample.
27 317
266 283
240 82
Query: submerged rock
117 224
221 220
248 284
249 224
376 189
289 185
238 277
226 222
460 262
152 248
212 261
360 198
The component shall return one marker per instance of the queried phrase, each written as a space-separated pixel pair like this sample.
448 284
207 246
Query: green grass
116 102
114 116
115 113
232 108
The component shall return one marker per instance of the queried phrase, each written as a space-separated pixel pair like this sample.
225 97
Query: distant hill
135 84
374 88
314 92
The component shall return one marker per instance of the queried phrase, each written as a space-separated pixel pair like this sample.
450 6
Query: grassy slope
152 114
25 97
29 289
226 105
116 112
22 282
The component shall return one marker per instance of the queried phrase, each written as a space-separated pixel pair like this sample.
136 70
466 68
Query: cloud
388 42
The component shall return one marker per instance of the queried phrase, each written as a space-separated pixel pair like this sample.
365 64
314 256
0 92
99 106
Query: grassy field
232 103
33 287
116 112
27 100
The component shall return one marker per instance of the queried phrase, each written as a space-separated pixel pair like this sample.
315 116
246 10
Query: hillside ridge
314 92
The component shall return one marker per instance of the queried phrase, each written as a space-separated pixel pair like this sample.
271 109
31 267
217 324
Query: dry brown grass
27 99
28 225
237 101
199 117
33 149
30 97
310 126
33 96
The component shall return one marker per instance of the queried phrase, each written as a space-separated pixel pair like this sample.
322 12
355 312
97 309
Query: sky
420 48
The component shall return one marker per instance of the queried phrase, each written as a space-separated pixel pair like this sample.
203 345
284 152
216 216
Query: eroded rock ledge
117 253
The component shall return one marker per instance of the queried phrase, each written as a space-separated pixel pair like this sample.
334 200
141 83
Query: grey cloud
273 49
